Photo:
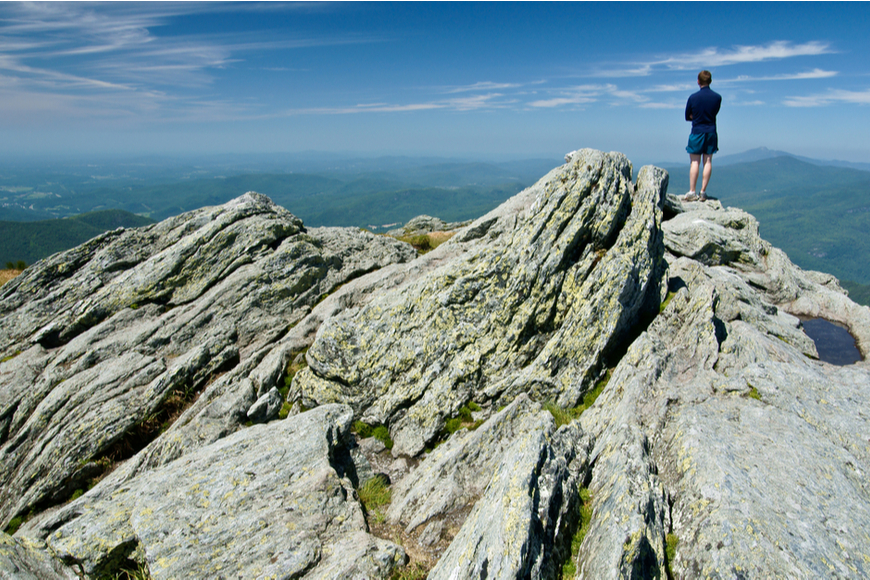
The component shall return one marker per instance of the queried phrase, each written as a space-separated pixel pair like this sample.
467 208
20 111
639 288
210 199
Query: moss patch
569 568
564 416
379 432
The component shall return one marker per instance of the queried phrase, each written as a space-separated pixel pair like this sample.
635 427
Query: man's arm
689 110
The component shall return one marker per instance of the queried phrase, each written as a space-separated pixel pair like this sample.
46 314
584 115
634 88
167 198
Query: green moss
421 243
379 432
10 357
13 525
671 542
285 410
141 572
754 394
77 494
461 420
569 568
666 301
560 416
564 416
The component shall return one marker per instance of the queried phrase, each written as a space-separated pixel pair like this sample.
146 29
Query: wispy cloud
115 53
831 97
484 86
715 57
471 103
808 75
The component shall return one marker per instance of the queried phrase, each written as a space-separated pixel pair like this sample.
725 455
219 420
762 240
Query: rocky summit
594 380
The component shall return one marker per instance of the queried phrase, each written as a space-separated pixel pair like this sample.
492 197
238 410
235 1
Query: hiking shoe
703 196
691 196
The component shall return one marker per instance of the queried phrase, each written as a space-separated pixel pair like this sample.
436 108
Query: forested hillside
32 241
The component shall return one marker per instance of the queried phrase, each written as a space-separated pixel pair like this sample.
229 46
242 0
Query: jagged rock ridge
712 403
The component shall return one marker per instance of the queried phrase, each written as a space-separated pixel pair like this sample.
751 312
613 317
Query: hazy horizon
492 81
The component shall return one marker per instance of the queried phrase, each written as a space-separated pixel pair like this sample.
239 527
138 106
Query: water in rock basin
833 342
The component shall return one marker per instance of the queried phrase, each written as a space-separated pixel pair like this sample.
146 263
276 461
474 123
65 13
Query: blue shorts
703 143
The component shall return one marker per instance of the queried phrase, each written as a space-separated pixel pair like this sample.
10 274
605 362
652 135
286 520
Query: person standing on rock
701 110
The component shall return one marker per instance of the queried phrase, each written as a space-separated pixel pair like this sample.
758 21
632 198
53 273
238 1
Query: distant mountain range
818 212
762 153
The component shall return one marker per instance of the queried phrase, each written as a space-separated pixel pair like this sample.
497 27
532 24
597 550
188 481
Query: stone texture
25 559
520 528
264 502
718 426
103 335
534 305
728 433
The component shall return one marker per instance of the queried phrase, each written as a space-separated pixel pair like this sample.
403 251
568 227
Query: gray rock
26 559
520 527
267 407
264 502
534 306
111 331
719 428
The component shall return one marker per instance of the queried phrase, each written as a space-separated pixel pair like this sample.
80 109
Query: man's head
705 78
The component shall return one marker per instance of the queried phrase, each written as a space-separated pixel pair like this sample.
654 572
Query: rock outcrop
719 446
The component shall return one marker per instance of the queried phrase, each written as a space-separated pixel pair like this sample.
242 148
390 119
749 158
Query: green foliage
379 432
462 419
19 265
569 568
416 571
563 416
374 493
754 394
421 243
560 415
140 572
40 239
666 301
10 357
671 543
14 524
297 363
77 494
859 293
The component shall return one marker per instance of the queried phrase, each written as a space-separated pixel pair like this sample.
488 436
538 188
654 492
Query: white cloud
831 97
813 74
715 57
662 105
484 86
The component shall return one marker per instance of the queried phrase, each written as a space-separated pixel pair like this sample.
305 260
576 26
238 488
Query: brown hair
705 78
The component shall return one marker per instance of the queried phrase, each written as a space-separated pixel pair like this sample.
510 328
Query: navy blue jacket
701 110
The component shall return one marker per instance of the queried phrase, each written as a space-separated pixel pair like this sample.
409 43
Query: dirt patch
6 275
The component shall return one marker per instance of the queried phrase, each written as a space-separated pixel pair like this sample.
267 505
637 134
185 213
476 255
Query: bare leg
708 171
693 170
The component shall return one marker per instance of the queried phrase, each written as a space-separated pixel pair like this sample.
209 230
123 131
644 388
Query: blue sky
488 80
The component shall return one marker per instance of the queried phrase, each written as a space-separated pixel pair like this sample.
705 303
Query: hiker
701 110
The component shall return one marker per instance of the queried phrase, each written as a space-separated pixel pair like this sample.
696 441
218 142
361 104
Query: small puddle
833 342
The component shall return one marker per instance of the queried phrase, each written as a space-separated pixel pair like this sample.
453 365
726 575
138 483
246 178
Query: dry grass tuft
6 275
